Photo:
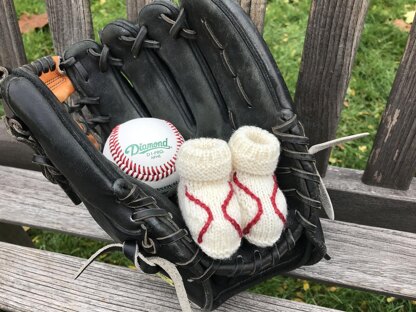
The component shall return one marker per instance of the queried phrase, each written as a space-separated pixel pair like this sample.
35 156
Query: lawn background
378 57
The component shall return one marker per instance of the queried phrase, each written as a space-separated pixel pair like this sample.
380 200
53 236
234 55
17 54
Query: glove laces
166 265
283 134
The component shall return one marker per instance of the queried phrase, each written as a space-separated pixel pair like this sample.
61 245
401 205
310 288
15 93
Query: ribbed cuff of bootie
254 150
204 159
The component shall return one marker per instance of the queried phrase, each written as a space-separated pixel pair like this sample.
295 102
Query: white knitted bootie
255 154
206 196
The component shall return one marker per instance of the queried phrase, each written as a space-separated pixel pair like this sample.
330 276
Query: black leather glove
205 68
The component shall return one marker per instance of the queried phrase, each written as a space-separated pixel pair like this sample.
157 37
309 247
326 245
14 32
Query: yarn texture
206 196
255 153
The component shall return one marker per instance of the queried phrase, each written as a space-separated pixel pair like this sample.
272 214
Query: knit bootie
255 154
206 196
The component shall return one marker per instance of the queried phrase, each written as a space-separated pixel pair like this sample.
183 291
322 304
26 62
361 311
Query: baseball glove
205 68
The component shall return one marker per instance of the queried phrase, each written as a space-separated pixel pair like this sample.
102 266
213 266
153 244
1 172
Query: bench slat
37 280
12 52
331 42
70 21
392 161
383 207
368 258
133 7
359 203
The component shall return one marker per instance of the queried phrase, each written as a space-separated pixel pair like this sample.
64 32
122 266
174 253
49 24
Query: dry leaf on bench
28 23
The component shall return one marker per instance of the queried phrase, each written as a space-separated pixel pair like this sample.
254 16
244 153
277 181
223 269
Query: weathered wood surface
70 21
35 280
331 42
367 258
37 202
359 203
133 8
14 234
13 153
12 53
256 9
363 257
353 201
392 162
258 12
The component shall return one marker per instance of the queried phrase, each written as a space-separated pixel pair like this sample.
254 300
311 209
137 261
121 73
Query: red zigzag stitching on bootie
224 207
255 198
227 217
259 204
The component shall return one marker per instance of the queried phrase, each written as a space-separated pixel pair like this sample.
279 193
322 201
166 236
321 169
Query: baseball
146 149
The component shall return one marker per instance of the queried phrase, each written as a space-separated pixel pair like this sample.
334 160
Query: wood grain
37 202
392 162
12 53
35 280
246 5
14 153
70 21
392 209
257 13
133 8
359 203
363 257
366 258
331 42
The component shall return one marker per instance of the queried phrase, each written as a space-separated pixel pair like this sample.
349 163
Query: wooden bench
373 245
363 257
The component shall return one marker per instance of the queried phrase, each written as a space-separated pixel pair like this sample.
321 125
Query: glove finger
102 90
185 62
247 75
250 82
149 76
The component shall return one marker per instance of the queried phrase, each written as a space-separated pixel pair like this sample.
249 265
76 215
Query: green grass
378 57
377 60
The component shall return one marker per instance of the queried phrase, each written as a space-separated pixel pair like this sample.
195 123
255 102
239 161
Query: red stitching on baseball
145 173
208 211
246 190
227 217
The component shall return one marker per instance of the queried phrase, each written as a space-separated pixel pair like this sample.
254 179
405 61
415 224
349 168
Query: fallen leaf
362 148
351 92
402 25
332 160
29 23
305 286
410 16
